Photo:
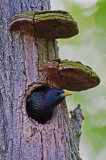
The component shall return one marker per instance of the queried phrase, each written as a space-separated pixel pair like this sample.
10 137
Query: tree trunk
20 58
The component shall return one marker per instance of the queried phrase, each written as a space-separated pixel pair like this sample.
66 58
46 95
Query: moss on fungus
45 24
80 66
70 75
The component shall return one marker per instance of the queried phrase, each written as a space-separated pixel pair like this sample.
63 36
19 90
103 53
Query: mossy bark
20 58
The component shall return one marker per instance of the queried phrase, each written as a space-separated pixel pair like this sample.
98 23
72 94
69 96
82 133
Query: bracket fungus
45 24
70 75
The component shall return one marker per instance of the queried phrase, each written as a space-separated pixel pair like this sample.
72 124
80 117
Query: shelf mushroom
48 25
70 75
45 24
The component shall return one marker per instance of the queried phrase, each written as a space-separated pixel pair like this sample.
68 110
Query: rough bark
20 58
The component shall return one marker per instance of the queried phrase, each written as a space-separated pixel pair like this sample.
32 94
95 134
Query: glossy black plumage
42 101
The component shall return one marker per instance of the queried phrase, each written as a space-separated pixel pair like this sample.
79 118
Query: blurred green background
89 47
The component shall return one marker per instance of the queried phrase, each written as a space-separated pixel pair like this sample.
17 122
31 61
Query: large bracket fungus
70 75
45 24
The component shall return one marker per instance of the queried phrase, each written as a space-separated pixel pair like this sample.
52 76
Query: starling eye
57 94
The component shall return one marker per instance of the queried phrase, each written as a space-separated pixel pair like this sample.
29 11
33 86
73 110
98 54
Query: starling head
52 98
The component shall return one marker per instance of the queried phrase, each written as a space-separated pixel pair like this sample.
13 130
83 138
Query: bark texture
20 58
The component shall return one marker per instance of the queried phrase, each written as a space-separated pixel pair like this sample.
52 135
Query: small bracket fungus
45 24
70 75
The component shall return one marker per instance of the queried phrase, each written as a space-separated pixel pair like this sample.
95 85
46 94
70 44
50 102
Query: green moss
42 16
47 16
76 136
24 15
80 66
37 13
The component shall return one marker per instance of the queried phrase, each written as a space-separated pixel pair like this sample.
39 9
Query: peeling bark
20 58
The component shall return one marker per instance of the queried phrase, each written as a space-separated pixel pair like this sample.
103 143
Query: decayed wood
76 120
20 57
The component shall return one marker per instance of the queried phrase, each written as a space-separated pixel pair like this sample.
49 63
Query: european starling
42 101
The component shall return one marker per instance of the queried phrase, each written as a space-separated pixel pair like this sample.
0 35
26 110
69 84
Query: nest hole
33 108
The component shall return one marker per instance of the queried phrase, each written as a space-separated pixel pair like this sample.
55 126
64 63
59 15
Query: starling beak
68 93
42 101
